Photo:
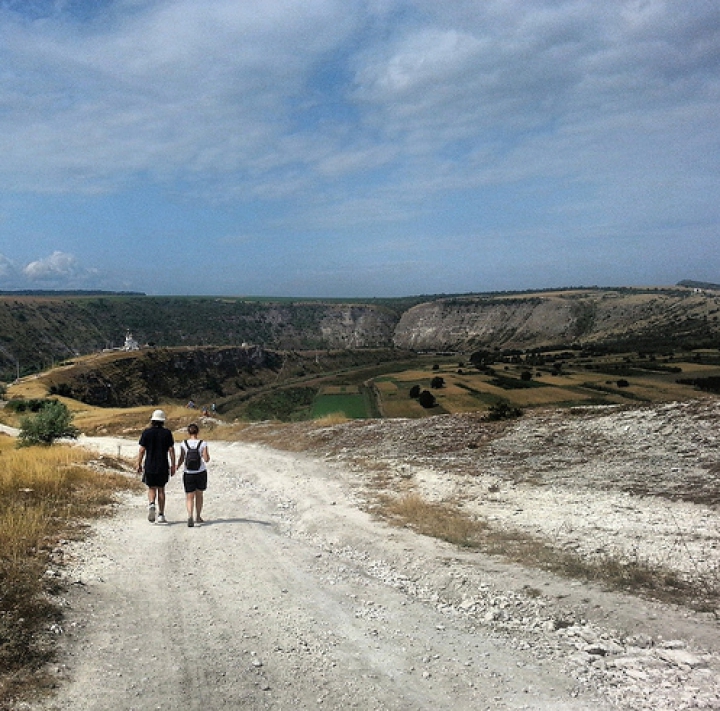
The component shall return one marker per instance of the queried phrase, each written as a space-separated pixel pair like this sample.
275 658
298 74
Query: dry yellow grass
30 387
334 418
46 493
403 407
438 520
413 376
386 387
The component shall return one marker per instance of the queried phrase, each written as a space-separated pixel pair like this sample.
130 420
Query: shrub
481 359
503 411
623 383
51 422
427 399
437 382
21 405
415 391
62 389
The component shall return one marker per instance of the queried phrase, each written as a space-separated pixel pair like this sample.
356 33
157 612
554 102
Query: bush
481 359
52 421
427 399
503 411
437 382
20 405
62 389
415 391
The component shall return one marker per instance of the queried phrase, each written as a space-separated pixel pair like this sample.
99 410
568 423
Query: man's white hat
158 416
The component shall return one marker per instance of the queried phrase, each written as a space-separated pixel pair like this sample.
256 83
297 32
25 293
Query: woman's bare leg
198 504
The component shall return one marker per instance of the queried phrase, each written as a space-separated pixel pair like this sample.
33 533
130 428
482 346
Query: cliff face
357 327
630 318
512 323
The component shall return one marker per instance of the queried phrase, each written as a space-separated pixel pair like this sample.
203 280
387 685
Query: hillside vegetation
39 331
246 383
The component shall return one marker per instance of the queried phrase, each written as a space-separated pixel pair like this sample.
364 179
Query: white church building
130 343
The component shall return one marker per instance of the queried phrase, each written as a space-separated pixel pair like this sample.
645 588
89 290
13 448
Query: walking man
157 449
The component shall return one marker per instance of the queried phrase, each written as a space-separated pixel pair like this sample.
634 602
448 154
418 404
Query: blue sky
358 148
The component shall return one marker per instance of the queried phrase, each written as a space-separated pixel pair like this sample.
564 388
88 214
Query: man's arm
141 456
171 452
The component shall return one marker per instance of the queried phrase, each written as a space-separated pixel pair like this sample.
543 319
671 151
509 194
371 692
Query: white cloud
220 92
57 269
173 88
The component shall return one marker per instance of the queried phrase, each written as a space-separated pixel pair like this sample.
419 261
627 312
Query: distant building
130 343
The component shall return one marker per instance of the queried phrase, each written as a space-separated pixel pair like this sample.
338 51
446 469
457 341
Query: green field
353 405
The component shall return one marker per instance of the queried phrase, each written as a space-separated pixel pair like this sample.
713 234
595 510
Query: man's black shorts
196 481
154 480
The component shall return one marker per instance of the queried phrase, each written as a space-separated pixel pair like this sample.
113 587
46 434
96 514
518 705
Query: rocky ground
295 595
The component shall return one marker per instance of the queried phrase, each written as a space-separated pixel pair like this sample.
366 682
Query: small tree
437 382
53 421
427 399
415 391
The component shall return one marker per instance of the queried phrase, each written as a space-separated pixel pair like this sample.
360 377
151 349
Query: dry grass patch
46 493
334 418
446 522
131 420
288 437
438 520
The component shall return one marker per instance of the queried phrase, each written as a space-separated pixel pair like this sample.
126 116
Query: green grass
352 406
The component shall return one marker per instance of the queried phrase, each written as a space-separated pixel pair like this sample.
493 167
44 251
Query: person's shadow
220 521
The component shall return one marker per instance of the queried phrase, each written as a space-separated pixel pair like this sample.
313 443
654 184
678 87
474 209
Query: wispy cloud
8 271
386 117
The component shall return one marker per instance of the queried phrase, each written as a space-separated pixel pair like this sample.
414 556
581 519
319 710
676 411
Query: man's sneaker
161 518
191 523
151 513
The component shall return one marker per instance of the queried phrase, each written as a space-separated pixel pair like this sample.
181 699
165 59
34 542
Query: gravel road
290 596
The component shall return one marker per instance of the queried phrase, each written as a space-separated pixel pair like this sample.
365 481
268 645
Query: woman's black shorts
195 481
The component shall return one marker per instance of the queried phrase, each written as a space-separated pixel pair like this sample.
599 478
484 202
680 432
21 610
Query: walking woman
194 454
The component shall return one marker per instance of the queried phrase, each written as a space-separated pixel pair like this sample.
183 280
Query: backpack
193 458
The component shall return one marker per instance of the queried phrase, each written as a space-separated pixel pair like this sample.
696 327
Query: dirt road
291 597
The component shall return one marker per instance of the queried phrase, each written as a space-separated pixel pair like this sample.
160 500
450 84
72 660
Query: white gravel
292 597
